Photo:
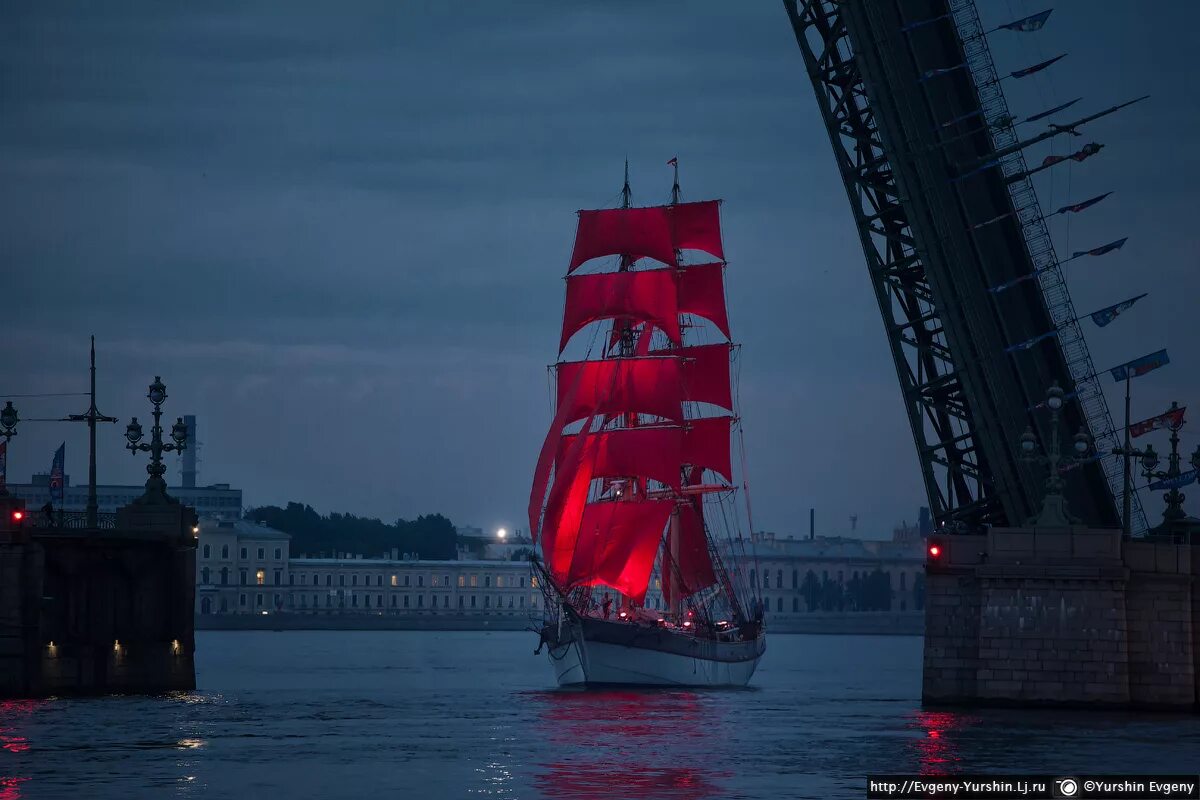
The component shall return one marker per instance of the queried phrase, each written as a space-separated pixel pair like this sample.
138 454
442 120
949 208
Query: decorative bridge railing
69 520
1041 252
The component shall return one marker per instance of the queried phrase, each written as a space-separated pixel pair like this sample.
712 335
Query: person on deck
606 605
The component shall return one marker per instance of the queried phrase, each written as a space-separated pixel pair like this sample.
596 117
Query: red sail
647 295
617 544
564 509
702 292
647 452
706 374
697 226
694 568
706 444
627 231
618 385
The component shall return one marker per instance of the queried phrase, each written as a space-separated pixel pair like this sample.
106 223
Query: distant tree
832 595
432 536
811 589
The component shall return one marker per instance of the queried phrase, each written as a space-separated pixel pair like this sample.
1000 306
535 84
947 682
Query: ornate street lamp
1172 477
8 421
1054 505
8 429
156 487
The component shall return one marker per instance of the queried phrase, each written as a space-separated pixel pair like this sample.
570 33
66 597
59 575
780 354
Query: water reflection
646 744
939 748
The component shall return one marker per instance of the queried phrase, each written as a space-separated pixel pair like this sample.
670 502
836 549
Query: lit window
462 581
395 580
499 581
433 580
533 581
259 576
474 580
657 583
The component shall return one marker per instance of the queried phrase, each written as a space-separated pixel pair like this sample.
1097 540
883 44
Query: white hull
580 662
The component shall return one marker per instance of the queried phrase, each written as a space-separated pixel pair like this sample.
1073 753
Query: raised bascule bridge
975 308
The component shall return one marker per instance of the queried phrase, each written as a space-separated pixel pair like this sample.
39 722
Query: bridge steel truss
903 139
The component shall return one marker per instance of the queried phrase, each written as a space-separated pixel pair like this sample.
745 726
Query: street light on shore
501 533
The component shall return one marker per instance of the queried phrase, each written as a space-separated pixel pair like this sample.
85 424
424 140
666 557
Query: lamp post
1054 505
8 429
1172 477
156 487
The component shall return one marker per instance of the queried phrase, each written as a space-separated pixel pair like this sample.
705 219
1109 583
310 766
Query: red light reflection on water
650 744
938 747
12 711
10 788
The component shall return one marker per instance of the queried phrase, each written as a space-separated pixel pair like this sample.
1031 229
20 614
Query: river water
366 714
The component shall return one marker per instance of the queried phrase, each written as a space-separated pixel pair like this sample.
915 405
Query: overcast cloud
338 232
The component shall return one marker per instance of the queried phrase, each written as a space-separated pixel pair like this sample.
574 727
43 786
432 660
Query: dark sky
338 232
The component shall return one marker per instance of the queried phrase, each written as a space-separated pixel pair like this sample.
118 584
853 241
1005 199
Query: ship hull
591 652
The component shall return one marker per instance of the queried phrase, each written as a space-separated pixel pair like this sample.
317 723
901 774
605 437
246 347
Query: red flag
674 162
1171 419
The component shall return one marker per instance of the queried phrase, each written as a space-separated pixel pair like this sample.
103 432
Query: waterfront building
216 500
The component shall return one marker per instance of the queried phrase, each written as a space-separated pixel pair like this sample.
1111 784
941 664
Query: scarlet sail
617 543
655 232
647 452
615 386
706 444
643 296
702 292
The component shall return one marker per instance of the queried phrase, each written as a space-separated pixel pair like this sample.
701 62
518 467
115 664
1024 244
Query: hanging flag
56 475
1049 111
987 222
969 115
3 465
1102 249
1021 73
1009 284
980 168
1087 151
1182 479
933 73
1171 419
1033 22
1107 315
1077 207
1140 366
912 26
674 162
1028 343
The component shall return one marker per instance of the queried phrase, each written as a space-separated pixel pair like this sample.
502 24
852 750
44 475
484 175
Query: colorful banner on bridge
1171 419
1182 479
1140 366
1102 249
1077 207
1107 315
1022 73
1028 343
1033 22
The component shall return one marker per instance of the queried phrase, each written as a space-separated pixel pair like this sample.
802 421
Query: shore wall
1062 617
884 623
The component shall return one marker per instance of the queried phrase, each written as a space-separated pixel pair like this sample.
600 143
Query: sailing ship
640 450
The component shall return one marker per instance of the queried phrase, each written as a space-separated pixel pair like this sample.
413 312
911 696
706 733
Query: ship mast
671 570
